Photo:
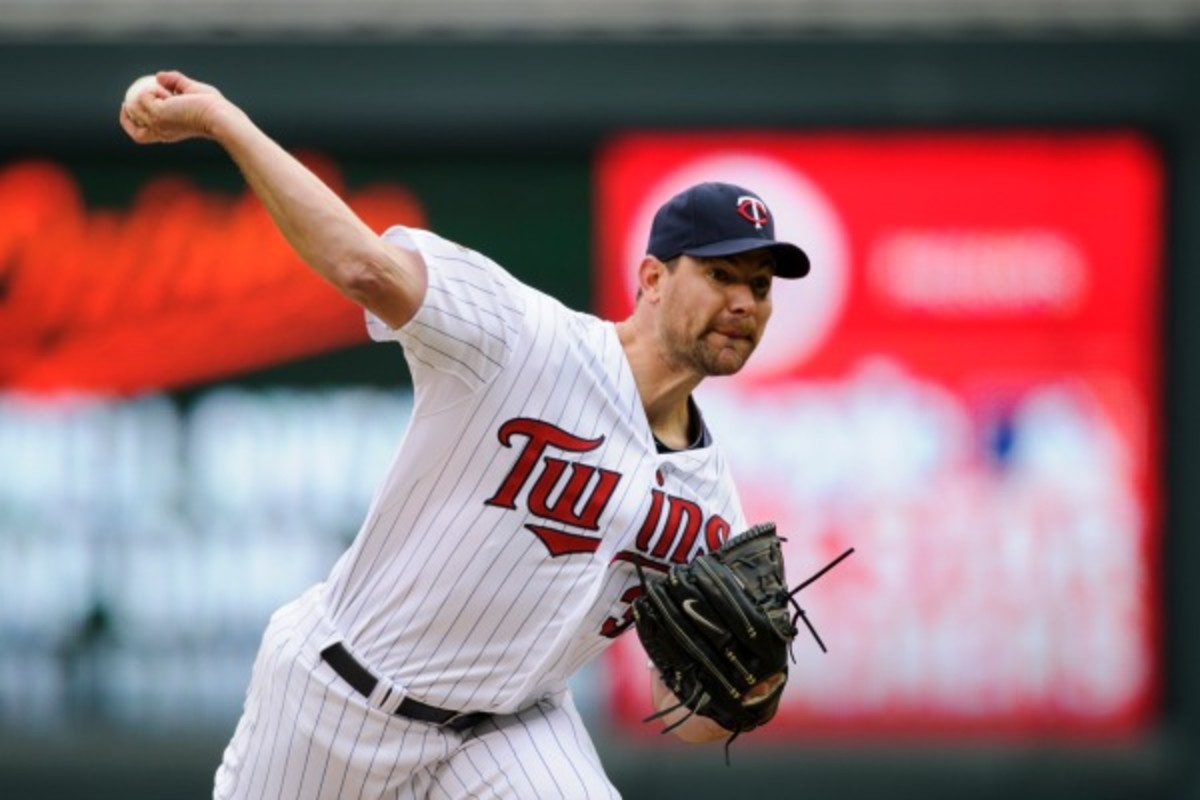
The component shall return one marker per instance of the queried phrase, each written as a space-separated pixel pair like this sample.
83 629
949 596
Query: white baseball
140 86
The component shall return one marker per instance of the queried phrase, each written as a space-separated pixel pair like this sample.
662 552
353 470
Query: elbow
391 291
362 281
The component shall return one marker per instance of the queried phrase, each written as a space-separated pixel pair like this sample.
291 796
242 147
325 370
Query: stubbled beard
701 356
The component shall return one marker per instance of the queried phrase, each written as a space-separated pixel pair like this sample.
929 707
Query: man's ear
650 273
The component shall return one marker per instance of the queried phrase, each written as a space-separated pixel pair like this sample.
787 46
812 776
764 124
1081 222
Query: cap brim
790 261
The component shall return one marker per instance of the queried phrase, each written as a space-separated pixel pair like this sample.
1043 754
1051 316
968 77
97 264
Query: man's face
714 310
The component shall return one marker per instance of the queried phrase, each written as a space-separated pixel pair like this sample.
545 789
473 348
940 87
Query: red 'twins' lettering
581 501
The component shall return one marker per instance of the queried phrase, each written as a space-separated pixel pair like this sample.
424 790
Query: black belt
364 683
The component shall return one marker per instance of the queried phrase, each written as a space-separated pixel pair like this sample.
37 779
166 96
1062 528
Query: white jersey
497 556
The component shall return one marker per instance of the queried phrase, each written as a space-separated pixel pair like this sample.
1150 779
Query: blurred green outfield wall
497 135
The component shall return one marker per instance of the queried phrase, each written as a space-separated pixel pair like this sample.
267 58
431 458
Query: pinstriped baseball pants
305 734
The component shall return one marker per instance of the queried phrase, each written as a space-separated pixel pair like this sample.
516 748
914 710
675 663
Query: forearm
320 227
323 230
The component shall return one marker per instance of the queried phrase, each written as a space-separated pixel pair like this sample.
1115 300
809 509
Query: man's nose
739 297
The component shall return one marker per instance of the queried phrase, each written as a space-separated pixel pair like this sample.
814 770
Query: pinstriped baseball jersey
497 555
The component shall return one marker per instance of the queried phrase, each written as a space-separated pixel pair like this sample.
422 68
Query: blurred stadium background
992 397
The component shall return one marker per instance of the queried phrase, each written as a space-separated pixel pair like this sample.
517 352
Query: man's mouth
736 333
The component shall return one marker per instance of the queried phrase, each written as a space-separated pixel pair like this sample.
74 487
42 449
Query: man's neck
663 387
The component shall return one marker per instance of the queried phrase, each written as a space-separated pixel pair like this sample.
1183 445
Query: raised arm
321 228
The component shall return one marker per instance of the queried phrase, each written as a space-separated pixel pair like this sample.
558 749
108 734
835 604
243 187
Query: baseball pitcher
556 486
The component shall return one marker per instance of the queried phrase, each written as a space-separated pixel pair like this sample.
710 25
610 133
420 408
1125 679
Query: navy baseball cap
720 219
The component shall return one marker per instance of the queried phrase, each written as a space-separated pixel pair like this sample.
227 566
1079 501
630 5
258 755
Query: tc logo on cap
753 210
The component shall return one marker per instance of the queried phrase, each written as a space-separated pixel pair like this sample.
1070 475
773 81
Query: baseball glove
721 625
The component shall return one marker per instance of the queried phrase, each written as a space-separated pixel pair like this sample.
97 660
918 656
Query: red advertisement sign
966 390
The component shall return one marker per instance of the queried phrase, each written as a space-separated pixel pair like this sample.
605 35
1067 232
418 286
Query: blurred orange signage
184 286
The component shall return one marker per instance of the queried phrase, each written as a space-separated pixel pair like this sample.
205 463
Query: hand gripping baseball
170 109
720 629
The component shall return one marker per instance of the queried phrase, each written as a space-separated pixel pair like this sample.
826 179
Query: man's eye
719 275
762 286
